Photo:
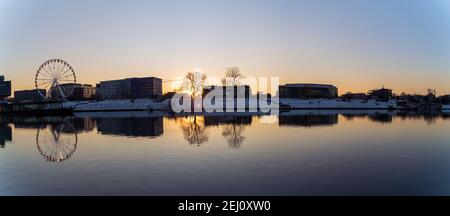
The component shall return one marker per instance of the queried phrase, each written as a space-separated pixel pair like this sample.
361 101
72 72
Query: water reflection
150 127
56 136
194 129
377 116
233 127
57 142
428 116
5 134
320 152
386 117
310 120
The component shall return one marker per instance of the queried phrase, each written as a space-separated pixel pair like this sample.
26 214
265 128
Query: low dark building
5 88
354 96
29 96
444 99
131 88
306 91
382 94
82 92
168 95
79 92
228 90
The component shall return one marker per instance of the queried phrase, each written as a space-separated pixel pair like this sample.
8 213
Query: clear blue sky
354 44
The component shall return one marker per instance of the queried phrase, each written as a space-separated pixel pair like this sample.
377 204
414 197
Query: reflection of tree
233 133
57 142
194 130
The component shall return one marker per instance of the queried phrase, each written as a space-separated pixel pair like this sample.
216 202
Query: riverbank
146 104
119 105
165 105
336 104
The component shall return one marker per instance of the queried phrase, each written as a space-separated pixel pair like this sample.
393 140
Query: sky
356 45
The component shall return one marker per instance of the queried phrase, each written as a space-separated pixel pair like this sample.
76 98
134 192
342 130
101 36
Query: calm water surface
295 153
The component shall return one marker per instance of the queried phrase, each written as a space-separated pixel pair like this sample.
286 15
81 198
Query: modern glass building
131 88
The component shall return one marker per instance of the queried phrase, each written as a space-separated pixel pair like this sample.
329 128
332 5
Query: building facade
5 88
131 88
354 96
229 91
29 96
78 92
382 94
306 91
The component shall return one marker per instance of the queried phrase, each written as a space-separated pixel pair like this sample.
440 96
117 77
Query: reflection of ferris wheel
57 143
54 76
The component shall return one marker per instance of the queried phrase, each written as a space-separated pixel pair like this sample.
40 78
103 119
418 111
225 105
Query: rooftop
129 78
309 85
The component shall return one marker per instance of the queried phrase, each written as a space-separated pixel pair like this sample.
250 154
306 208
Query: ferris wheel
55 76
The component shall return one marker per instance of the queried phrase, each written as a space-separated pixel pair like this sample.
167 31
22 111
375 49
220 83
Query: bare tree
194 82
232 76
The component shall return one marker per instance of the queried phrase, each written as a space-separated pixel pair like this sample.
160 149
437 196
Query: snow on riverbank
119 105
336 104
147 104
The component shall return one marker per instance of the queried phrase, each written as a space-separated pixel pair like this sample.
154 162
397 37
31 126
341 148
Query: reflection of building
230 91
5 88
131 88
29 96
5 135
133 127
381 117
218 120
80 125
307 91
382 94
307 120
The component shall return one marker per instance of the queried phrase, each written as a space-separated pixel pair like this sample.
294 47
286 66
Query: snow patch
337 104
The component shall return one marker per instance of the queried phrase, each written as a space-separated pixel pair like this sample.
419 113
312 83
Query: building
229 90
382 94
78 92
354 96
83 92
29 96
5 88
444 99
131 88
306 91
